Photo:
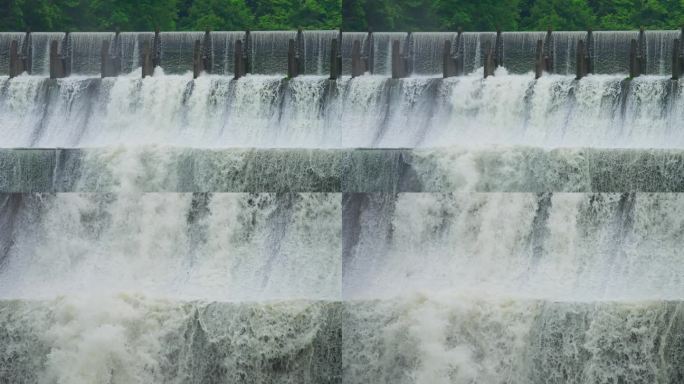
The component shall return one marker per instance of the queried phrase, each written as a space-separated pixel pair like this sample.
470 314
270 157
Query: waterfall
177 50
314 229
428 51
269 51
519 49
40 45
212 111
382 45
223 51
348 39
85 51
5 41
131 49
565 51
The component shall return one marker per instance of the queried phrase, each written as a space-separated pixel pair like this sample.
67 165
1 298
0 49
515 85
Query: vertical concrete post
239 63
117 54
634 70
339 54
589 52
358 67
207 52
580 60
448 62
370 58
67 54
156 53
197 62
641 51
15 62
398 62
499 56
549 51
459 56
539 62
676 60
26 54
147 60
299 52
105 60
407 55
489 60
56 63
334 71
246 53
291 59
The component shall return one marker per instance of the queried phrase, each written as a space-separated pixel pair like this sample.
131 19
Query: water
428 48
369 111
223 51
40 44
317 51
567 247
659 51
5 41
519 49
348 39
86 48
565 51
382 46
269 51
368 230
177 50
132 44
474 47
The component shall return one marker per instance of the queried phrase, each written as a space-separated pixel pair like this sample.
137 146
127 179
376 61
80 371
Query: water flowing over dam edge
398 54
300 207
319 342
604 111
505 169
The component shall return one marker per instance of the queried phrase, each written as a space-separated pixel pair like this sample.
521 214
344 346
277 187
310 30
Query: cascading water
359 230
519 50
5 41
40 46
382 46
565 51
370 111
131 44
269 51
427 51
348 39
223 51
177 50
85 49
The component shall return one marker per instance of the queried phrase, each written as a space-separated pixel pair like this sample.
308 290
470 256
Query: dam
342 207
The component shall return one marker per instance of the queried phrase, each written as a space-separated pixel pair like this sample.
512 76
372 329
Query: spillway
373 112
259 216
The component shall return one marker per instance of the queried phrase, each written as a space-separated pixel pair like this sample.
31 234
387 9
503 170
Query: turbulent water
368 230
604 111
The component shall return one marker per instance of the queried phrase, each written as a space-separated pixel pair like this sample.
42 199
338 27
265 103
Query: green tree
566 15
224 15
484 15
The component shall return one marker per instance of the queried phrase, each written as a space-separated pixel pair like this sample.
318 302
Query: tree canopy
168 15
511 15
350 15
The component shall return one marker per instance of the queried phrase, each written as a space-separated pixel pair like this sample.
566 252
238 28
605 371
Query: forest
350 15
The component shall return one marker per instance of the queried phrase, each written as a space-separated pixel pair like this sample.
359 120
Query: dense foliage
433 15
135 15
405 15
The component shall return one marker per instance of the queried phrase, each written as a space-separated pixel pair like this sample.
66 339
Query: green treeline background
350 15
